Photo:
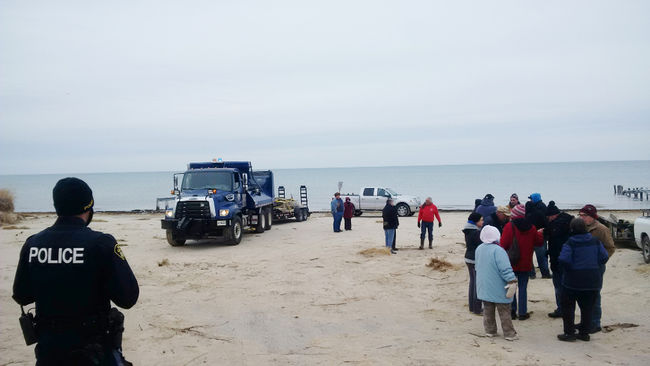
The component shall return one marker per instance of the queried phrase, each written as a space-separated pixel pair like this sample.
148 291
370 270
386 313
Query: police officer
73 273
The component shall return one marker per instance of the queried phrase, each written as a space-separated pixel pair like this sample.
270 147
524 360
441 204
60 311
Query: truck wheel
403 209
268 213
645 244
261 222
305 214
234 232
174 240
298 214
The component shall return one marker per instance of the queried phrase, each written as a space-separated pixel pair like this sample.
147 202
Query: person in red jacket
426 215
528 238
348 212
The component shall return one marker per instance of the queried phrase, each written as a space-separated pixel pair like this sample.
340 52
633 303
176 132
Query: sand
300 294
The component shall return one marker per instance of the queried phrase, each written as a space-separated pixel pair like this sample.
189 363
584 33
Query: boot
421 243
430 243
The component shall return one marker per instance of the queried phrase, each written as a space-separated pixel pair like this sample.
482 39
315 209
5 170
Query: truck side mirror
245 177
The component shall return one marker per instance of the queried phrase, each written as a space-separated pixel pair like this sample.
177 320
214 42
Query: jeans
586 300
475 304
423 229
597 312
390 237
338 216
557 283
522 285
490 321
348 223
542 261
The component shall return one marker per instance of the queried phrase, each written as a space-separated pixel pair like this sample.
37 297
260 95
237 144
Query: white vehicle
374 199
642 234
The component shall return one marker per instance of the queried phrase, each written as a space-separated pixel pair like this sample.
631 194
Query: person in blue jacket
493 273
581 259
337 207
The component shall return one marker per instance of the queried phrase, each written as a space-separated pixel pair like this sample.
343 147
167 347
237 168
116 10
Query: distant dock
638 193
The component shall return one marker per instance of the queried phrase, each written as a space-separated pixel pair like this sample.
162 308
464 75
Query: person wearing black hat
472 232
73 273
557 233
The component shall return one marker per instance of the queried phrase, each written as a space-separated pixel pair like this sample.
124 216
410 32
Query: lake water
570 185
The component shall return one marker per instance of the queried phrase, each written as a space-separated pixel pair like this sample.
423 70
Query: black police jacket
73 273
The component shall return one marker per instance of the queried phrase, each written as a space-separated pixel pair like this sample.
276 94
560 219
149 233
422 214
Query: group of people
427 214
500 243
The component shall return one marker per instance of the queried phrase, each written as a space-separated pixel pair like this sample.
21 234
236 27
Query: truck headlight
169 214
224 212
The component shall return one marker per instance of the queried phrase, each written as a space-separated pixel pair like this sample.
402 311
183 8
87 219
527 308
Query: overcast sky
95 86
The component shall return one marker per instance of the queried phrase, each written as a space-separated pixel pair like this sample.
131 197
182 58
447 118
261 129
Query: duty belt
95 322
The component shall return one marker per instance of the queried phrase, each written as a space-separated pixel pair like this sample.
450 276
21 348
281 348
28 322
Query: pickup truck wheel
261 222
234 232
268 215
174 240
645 244
403 209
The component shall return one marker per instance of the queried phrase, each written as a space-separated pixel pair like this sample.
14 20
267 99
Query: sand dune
302 295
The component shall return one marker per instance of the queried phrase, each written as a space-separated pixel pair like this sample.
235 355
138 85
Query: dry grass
9 218
14 227
164 262
6 201
373 252
438 264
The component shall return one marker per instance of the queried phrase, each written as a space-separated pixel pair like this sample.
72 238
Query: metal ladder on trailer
303 196
281 192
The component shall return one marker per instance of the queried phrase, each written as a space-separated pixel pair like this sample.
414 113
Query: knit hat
518 212
590 210
535 197
552 209
72 196
488 196
474 217
347 199
504 210
490 234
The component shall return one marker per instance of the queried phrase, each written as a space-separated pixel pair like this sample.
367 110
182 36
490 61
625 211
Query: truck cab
219 199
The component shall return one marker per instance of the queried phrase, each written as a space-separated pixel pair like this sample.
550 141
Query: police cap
72 196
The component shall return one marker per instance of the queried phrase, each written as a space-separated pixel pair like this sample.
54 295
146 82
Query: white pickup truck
374 199
642 234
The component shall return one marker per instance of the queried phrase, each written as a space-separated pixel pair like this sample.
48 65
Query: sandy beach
300 294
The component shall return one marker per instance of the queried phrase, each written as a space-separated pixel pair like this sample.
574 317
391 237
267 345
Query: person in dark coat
348 213
581 257
557 232
472 231
72 274
391 222
536 214
477 202
487 207
498 219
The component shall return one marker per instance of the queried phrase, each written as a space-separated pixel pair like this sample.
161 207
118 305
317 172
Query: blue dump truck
219 199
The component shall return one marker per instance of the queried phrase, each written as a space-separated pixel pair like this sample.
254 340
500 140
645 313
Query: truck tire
645 247
298 214
173 239
268 213
261 222
403 209
305 214
235 232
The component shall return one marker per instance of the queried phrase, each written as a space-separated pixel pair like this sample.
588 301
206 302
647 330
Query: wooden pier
638 193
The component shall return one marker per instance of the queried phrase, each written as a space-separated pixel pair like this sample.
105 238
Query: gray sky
93 86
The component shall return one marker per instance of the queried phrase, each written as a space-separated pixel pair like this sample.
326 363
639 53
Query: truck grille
193 209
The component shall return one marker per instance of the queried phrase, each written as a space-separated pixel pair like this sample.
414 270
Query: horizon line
356 167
